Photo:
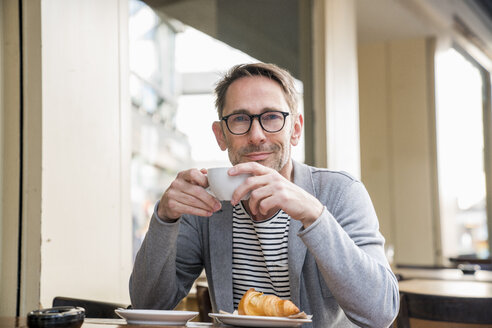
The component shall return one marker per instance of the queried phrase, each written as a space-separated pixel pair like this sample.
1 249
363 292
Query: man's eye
272 116
240 118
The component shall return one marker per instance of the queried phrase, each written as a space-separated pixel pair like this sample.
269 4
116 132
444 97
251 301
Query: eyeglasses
271 121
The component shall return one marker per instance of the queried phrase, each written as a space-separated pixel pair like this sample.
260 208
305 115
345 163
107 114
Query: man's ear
296 130
219 135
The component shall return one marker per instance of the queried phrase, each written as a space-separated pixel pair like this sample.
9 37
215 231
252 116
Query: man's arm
349 251
169 259
166 265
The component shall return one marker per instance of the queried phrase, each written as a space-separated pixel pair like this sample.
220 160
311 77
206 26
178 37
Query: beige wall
32 154
76 229
9 128
2 156
398 145
1 121
86 218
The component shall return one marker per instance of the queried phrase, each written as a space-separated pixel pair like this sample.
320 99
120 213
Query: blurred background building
173 108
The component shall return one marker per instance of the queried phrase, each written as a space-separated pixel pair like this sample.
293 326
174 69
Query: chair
93 309
484 263
432 311
204 303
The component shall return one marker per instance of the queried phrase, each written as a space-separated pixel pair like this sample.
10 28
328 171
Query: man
307 234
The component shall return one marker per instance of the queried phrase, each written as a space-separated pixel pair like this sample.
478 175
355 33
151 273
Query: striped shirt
260 254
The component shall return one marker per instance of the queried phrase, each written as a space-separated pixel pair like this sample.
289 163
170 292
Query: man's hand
271 191
186 195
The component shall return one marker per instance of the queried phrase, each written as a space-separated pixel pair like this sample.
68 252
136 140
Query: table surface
443 274
10 322
456 288
444 282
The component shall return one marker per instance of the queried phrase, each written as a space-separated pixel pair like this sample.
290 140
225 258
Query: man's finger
257 197
200 194
249 167
192 210
250 184
196 177
193 201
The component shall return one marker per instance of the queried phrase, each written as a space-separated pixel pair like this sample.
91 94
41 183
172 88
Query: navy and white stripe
260 254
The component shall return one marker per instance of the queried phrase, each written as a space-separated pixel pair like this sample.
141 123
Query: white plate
257 321
156 317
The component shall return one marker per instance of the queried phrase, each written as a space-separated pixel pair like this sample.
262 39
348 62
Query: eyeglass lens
269 121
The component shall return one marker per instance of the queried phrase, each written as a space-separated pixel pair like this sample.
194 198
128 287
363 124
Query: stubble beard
280 154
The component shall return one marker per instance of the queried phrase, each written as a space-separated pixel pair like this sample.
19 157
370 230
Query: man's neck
288 171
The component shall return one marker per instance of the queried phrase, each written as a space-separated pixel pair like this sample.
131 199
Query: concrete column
86 213
75 214
398 142
335 86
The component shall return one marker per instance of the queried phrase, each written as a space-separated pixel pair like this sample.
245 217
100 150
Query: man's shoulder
326 184
334 176
323 173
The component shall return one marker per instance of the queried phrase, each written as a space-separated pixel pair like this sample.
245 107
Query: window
460 148
169 83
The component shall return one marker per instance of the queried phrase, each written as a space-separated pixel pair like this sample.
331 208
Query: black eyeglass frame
251 119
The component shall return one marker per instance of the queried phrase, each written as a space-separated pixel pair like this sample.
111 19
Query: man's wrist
168 220
313 217
161 217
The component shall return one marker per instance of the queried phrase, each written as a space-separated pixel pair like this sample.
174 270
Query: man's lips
257 156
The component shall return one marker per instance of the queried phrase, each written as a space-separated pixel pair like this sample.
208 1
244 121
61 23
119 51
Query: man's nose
256 134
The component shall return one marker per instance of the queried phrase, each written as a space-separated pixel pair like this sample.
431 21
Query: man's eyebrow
244 111
239 111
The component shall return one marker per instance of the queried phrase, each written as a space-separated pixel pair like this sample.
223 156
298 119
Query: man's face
255 95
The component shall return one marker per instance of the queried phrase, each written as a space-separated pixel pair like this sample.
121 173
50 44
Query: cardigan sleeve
349 252
165 266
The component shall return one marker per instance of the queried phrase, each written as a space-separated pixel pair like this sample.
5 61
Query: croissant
256 303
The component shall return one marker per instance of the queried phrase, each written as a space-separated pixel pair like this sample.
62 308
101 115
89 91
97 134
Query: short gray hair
271 71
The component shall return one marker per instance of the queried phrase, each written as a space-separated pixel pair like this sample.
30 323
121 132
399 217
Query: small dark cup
468 268
60 316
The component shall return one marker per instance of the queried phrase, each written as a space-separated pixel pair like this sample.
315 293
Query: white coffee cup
223 185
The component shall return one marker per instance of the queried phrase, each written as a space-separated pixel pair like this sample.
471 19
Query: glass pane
173 105
460 143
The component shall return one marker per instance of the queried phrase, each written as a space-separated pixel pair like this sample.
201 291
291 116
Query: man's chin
275 165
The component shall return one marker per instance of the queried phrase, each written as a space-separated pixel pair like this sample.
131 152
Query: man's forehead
256 94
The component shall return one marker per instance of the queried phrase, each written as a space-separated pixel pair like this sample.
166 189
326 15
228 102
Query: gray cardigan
337 268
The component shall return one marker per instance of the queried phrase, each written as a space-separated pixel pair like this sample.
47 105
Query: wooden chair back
431 311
